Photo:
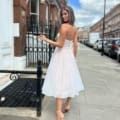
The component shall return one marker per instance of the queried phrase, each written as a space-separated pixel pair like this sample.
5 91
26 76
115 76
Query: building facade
83 33
112 24
13 27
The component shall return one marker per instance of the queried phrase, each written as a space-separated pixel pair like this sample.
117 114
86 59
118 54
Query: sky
88 12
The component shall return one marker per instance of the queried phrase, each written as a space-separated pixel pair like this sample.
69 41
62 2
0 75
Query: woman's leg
59 112
67 104
68 100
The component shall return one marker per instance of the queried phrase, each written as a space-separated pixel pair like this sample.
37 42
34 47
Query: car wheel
109 54
118 58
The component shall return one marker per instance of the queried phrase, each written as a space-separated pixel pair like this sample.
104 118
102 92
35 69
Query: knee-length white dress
63 78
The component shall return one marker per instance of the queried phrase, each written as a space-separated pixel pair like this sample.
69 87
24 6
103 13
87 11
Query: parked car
98 45
118 55
95 46
111 47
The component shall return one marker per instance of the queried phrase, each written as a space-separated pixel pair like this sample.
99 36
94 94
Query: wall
6 34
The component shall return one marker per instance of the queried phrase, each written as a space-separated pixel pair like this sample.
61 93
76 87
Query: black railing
35 49
38 50
39 83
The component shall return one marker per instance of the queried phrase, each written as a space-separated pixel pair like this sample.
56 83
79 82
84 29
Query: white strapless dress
63 78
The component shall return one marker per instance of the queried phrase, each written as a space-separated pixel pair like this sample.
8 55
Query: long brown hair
71 15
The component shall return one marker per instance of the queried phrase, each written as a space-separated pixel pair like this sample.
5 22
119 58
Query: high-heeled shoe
59 115
66 108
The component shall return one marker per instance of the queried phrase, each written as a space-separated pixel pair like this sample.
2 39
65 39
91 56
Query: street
99 101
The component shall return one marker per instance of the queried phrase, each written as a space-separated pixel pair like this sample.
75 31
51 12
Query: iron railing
38 50
39 83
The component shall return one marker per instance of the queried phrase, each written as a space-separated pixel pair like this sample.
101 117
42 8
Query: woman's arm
75 44
60 41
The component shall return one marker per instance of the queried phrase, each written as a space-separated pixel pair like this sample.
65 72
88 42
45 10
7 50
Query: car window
114 41
117 41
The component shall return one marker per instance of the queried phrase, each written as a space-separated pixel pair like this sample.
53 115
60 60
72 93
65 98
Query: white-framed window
34 11
47 12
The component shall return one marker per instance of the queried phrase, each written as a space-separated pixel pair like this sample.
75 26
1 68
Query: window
34 11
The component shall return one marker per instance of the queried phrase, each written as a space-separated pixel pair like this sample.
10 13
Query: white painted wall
6 34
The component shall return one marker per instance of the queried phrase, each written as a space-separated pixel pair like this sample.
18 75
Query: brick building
112 24
83 33
13 26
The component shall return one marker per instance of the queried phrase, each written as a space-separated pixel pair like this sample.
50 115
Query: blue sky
88 12
74 3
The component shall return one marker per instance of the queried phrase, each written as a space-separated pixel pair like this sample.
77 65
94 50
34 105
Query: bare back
67 32
70 32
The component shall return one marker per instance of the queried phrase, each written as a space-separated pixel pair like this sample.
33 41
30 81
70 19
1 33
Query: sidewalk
99 101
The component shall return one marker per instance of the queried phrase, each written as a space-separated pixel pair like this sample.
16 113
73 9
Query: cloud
92 10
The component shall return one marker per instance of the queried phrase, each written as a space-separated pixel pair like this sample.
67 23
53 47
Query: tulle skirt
63 77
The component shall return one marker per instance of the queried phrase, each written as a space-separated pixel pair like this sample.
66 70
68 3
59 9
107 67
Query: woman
63 79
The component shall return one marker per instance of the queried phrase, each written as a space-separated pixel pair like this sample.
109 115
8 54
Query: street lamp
102 52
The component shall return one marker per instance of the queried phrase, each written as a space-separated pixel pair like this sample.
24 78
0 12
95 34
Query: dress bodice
68 46
68 43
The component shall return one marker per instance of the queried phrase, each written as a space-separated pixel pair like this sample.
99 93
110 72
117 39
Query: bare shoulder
73 28
63 27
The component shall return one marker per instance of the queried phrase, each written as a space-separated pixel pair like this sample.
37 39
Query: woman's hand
42 37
